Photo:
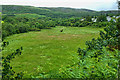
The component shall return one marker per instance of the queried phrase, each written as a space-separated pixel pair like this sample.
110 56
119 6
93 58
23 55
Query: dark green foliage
118 34
34 29
100 24
84 23
89 18
101 18
110 13
5 44
109 37
7 72
48 12
16 25
73 22
59 12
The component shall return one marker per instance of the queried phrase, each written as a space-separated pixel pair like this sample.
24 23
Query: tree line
15 25
12 24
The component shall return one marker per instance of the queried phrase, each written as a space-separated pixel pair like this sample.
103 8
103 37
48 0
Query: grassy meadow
48 49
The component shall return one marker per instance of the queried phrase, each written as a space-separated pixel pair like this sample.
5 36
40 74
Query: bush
7 72
101 18
84 23
100 24
34 29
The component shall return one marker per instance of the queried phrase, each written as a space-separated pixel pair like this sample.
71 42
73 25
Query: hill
110 12
49 12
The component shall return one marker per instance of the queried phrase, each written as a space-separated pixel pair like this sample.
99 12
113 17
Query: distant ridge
61 12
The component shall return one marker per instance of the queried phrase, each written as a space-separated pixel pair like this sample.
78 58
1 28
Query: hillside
49 12
110 12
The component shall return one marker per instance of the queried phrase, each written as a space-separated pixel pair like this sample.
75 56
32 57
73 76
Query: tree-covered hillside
59 12
49 12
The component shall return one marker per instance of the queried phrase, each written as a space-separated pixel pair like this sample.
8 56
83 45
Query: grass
48 49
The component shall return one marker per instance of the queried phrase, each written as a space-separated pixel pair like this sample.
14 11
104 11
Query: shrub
34 29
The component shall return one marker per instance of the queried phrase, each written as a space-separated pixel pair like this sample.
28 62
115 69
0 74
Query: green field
48 49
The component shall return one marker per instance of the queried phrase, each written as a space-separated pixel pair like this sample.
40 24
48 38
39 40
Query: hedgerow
7 72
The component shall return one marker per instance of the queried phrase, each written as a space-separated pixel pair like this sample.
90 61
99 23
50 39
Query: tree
101 18
88 18
118 24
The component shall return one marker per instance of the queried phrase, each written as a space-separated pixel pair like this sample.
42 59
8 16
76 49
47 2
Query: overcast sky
88 4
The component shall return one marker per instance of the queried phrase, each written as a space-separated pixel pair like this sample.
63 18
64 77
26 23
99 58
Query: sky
97 5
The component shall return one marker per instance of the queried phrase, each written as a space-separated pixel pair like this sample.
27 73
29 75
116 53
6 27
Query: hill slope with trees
49 12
